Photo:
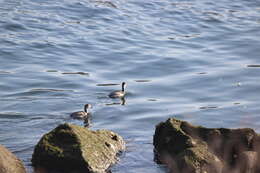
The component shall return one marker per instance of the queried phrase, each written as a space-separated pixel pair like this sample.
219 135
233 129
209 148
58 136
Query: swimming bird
118 94
82 114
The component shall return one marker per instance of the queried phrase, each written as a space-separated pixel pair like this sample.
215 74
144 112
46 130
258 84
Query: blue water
184 59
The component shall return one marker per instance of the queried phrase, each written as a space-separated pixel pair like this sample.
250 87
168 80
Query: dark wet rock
9 163
73 148
185 148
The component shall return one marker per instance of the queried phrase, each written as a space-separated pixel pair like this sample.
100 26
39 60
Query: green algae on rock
185 148
9 163
72 147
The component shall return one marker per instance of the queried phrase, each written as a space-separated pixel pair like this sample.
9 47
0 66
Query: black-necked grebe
82 114
118 94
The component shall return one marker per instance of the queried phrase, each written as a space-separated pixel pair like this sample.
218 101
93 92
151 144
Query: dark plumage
82 114
118 94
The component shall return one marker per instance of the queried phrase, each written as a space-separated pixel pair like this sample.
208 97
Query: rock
9 163
73 148
185 148
248 161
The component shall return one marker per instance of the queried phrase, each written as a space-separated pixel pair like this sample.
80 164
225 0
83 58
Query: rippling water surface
196 60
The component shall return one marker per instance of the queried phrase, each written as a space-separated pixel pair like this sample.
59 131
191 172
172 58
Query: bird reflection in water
122 102
87 121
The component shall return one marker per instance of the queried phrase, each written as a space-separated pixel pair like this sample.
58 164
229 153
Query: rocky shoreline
185 148
9 163
182 147
74 148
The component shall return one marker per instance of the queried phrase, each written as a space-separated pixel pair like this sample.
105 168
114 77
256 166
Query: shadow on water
80 73
38 92
107 84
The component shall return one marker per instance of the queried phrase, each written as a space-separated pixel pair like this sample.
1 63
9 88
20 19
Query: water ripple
195 60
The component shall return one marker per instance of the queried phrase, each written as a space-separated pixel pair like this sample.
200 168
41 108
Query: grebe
118 94
82 114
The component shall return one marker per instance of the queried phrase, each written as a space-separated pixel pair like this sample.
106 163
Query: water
187 59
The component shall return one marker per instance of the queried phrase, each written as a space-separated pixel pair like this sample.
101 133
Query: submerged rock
9 163
73 148
185 148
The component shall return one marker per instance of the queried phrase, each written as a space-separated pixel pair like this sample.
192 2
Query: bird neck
86 109
123 88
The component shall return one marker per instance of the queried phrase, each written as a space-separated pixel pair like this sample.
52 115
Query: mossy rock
70 147
9 163
195 149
